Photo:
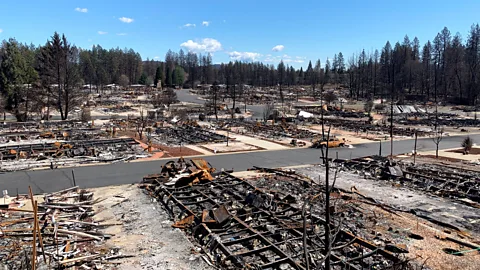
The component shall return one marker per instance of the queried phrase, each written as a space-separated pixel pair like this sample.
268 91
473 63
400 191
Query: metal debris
62 230
455 183
241 226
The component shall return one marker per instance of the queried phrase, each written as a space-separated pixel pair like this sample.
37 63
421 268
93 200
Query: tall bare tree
437 136
58 70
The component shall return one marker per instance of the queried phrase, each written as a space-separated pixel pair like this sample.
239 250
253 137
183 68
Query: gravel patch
145 231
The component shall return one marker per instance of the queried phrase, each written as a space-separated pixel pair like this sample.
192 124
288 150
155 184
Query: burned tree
2 107
214 97
467 145
332 227
233 95
281 80
268 111
244 91
58 71
329 97
141 123
437 136
368 106
123 81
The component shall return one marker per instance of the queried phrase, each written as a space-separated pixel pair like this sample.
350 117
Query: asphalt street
131 172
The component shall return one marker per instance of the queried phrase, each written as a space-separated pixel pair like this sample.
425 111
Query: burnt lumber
242 225
53 231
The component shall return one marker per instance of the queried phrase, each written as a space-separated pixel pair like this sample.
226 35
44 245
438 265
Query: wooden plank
84 258
81 234
34 242
40 238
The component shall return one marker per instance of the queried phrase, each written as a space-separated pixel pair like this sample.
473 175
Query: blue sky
237 30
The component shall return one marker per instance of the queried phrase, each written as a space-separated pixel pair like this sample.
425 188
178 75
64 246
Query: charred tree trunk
391 109
234 98
215 103
327 207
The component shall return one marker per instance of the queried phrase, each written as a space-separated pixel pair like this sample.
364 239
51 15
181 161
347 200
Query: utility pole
227 135
415 148
321 114
73 178
436 102
391 127
380 149
391 109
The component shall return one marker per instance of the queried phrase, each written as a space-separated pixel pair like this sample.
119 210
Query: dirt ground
167 150
473 151
456 155
350 137
144 229
233 146
239 135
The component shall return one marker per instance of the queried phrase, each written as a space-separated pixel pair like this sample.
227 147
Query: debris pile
449 120
58 153
30 145
54 231
239 225
459 184
30 134
316 109
269 131
187 134
365 126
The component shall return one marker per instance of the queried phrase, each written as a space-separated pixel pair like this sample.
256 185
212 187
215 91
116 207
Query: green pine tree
143 79
179 76
158 76
168 79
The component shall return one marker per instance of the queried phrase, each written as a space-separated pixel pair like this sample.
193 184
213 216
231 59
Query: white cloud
205 45
83 10
205 23
293 61
102 33
89 40
121 34
244 56
278 48
1 30
126 20
188 25
285 58
156 57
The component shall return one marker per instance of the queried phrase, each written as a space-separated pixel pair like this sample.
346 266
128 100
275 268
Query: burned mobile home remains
243 226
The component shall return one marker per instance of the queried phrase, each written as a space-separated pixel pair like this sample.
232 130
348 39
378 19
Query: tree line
36 77
446 69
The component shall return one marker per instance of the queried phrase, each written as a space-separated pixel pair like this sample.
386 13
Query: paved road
124 173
